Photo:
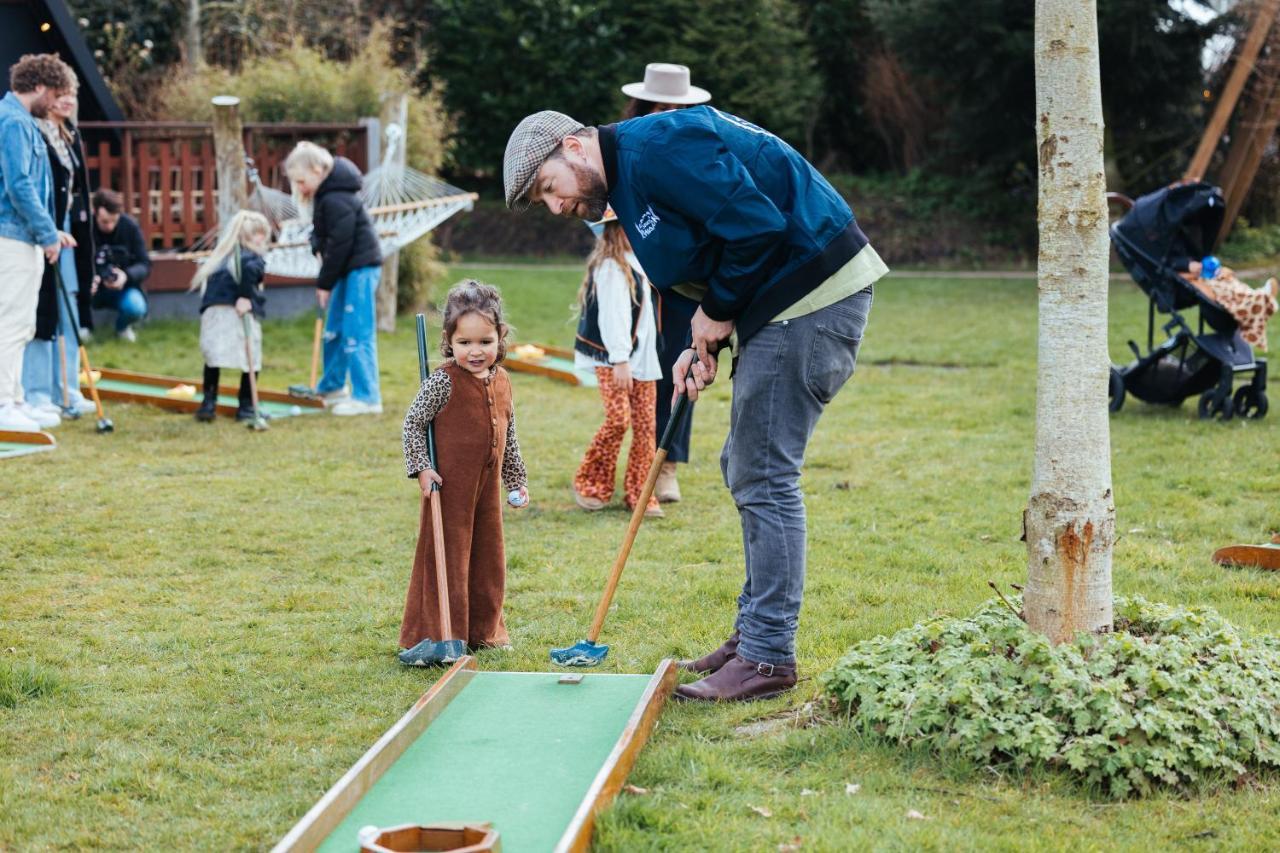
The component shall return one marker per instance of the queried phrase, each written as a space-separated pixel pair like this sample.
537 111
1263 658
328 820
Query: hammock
403 203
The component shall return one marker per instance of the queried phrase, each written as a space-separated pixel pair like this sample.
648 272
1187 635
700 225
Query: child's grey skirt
222 338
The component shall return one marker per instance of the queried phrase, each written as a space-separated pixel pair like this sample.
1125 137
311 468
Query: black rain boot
209 405
245 410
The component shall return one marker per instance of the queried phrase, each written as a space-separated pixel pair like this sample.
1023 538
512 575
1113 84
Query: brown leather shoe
740 680
708 664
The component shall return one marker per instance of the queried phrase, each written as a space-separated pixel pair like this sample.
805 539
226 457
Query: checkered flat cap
533 140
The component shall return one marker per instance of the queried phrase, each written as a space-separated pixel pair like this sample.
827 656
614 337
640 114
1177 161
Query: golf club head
105 425
581 653
304 391
69 415
258 425
432 653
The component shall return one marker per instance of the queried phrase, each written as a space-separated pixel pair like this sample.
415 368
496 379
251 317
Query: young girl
350 267
231 283
617 339
469 400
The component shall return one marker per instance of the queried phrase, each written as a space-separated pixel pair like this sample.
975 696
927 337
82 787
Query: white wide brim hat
665 83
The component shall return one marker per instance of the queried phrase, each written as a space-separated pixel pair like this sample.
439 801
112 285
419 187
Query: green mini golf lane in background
555 362
16 448
269 407
516 749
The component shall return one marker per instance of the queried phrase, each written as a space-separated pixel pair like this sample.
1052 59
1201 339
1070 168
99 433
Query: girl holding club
230 280
469 400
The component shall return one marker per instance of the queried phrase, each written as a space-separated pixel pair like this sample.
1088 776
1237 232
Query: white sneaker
12 419
333 398
354 407
129 335
82 406
44 418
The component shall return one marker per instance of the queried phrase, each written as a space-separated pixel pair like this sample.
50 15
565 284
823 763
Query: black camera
107 260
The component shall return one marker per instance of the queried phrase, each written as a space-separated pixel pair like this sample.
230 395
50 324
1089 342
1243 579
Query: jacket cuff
717 310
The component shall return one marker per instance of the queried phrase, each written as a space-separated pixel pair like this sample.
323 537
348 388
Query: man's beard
593 197
40 108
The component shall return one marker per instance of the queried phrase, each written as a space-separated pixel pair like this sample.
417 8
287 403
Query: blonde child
230 281
342 234
617 338
469 400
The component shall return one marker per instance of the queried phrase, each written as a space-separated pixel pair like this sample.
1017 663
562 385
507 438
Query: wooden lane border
608 781
338 801
178 404
514 362
39 441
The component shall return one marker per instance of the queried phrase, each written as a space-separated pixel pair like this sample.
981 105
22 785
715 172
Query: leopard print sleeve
514 474
431 398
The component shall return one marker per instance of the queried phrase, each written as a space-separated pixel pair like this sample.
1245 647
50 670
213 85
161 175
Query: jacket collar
608 134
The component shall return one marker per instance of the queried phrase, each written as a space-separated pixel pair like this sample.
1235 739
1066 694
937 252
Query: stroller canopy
1164 229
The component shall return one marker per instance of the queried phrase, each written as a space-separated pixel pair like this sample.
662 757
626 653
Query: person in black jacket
230 281
121 263
350 268
48 360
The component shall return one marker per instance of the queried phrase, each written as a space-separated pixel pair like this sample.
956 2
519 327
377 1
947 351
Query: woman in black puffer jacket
350 268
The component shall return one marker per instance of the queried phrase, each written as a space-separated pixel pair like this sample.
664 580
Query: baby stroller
1181 222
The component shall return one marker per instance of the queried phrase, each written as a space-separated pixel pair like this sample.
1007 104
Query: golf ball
295 410
516 499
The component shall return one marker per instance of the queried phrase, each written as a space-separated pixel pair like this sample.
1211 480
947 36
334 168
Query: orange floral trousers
622 410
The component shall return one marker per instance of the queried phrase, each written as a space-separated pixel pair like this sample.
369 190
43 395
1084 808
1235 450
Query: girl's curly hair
471 296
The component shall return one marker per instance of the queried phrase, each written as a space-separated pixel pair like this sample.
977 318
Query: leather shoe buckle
765 669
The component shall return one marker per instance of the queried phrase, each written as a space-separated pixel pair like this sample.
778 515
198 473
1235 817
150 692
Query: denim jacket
26 186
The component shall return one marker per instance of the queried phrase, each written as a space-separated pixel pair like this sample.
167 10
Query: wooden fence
167 171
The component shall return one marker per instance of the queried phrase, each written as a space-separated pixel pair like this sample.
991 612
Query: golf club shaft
678 413
248 354
315 347
84 354
437 521
62 368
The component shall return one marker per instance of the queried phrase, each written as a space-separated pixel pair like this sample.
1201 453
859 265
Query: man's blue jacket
26 188
705 196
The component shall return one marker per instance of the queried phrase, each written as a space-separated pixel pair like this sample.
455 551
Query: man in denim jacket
28 235
786 275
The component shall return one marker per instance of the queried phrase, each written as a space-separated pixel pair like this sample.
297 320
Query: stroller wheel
1115 392
1250 402
1211 407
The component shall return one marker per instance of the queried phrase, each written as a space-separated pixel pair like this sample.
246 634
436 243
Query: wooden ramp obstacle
13 443
534 754
551 362
168 392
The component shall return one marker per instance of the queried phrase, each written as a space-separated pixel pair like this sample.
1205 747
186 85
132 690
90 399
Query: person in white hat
666 87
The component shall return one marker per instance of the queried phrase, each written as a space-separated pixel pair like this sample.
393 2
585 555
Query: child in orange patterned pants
617 339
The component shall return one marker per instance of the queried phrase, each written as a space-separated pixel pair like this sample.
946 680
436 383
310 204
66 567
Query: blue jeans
785 376
41 375
129 304
350 337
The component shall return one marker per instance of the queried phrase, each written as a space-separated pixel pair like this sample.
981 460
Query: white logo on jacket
646 223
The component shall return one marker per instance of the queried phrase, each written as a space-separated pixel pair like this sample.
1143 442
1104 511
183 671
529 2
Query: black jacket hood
345 177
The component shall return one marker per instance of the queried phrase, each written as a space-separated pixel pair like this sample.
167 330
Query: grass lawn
197 624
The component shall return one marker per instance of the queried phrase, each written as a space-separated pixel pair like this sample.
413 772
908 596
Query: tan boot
667 490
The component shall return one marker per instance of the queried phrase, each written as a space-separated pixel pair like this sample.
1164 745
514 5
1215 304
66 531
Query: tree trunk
228 144
195 58
395 112
1069 523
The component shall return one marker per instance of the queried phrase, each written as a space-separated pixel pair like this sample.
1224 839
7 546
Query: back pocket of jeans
831 362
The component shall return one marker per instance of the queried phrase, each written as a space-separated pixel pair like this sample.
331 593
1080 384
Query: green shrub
1248 243
1176 697
22 681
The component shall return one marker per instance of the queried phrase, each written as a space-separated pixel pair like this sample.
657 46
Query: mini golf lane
533 756
554 363
116 389
126 386
20 444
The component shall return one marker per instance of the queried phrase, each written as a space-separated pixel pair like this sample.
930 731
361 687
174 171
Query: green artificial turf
270 408
220 607
518 750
